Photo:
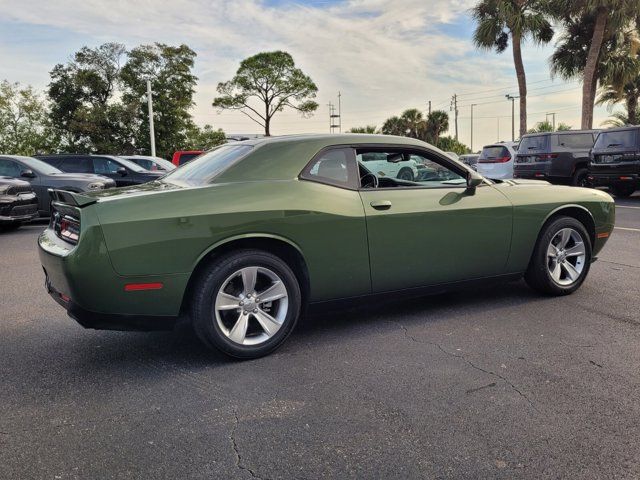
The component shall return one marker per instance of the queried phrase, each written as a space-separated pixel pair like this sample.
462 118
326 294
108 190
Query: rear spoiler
71 198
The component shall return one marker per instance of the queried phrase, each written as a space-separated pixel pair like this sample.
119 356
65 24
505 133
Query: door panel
426 236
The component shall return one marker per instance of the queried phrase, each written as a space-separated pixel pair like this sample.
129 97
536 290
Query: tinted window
574 140
103 165
39 166
624 139
330 167
538 142
76 164
207 166
9 168
494 151
185 157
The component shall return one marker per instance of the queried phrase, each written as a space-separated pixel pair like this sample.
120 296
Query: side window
401 169
103 165
76 165
9 168
332 167
577 140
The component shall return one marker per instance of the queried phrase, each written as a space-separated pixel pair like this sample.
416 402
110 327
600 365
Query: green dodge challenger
244 238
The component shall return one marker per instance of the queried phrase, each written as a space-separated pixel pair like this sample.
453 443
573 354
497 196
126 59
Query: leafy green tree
82 106
437 124
25 128
204 138
541 127
502 21
589 25
617 119
413 124
563 127
366 129
450 144
266 84
173 84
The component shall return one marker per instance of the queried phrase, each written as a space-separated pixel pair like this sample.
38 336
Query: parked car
470 159
615 160
184 156
153 164
453 155
43 176
120 170
18 202
404 169
241 239
559 157
496 160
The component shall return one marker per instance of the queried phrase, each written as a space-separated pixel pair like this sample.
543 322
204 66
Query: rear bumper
618 179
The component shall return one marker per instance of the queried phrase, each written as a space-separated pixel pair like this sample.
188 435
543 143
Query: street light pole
553 116
472 105
513 115
151 129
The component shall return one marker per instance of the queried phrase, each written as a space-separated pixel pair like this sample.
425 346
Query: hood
523 181
13 182
82 177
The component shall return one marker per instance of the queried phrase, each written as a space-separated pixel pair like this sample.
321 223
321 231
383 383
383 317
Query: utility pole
429 107
152 134
333 115
331 108
339 113
498 139
454 108
472 105
513 115
553 114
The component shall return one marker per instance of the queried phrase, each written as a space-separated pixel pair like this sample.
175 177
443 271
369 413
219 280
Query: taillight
66 227
547 156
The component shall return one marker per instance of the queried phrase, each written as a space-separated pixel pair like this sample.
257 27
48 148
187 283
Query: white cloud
384 56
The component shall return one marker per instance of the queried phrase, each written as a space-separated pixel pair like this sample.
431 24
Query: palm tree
437 124
630 93
499 21
365 129
617 119
597 21
393 126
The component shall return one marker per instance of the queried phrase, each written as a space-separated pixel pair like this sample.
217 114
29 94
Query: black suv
18 202
123 172
615 161
559 157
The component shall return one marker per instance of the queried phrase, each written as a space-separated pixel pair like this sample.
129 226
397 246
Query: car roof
336 139
620 129
560 132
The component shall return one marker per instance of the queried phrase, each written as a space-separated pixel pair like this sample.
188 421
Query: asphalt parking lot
499 383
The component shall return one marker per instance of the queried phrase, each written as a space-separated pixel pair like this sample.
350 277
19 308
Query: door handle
381 204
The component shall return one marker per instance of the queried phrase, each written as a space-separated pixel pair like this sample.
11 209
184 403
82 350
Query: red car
183 156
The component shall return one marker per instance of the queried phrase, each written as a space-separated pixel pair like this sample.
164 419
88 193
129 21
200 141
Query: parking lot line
627 206
627 228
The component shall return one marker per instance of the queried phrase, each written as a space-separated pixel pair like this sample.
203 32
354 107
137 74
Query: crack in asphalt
472 365
621 264
236 451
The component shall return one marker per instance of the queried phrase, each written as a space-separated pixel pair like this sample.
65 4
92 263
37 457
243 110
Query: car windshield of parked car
623 138
538 142
202 170
493 151
131 165
39 166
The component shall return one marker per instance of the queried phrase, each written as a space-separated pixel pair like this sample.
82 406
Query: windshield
623 138
538 142
202 170
131 165
39 166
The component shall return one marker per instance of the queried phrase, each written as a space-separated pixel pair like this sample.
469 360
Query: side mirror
122 171
474 179
27 174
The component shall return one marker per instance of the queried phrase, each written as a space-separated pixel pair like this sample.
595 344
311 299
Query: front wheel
561 257
406 174
246 303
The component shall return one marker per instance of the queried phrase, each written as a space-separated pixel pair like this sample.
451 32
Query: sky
382 56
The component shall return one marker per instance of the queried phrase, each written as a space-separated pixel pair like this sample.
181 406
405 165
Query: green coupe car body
140 248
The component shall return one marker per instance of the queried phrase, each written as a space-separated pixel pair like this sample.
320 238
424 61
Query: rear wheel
406 174
246 303
580 178
623 191
561 258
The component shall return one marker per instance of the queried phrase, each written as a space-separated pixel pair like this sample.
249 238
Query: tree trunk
522 81
632 109
590 81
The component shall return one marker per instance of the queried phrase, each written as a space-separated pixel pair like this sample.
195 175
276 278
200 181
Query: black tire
623 191
538 276
580 178
209 283
405 174
9 226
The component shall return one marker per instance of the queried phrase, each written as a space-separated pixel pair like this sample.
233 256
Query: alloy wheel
566 256
251 305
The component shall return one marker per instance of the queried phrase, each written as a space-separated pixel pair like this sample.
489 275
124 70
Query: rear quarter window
538 142
583 141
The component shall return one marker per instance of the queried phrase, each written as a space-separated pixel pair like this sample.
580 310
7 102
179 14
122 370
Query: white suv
377 163
496 160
